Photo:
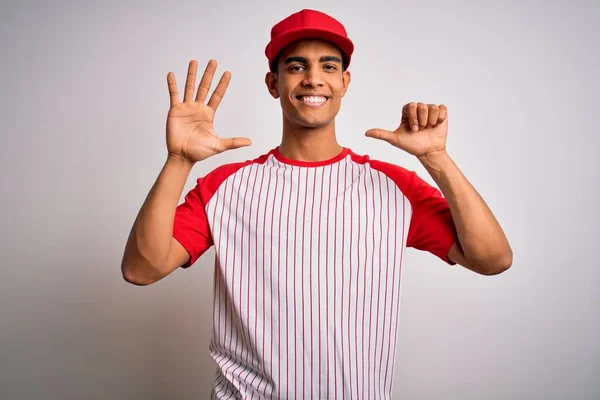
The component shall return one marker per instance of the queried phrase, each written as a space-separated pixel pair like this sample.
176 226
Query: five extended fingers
203 87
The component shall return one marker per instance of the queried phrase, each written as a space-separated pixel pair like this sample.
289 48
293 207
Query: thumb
381 134
233 143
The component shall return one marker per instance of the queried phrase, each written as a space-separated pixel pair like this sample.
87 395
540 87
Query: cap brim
280 42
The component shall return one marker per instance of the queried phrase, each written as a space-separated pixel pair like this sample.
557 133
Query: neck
309 144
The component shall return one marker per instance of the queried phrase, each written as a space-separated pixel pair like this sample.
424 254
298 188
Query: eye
330 67
296 68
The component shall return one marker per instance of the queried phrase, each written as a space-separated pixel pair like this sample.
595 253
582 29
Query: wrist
435 159
178 161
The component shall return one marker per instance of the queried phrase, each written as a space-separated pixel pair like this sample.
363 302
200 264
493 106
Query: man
309 237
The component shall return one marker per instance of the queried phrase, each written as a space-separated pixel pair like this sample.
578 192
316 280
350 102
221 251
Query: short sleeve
191 227
431 227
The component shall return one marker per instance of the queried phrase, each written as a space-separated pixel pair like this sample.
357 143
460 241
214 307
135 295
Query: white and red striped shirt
307 270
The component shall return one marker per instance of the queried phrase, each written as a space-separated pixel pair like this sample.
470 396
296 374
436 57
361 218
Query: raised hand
190 133
423 129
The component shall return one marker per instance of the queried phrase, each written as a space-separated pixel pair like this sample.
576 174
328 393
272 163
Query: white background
83 108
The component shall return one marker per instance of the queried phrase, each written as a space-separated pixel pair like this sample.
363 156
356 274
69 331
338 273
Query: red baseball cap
308 24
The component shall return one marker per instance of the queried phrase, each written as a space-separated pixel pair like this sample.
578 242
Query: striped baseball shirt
307 270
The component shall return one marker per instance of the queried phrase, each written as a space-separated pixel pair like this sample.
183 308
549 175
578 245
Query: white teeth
314 99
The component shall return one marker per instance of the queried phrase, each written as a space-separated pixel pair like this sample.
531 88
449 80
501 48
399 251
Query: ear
271 82
346 78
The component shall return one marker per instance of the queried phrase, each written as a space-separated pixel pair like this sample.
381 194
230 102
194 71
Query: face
309 82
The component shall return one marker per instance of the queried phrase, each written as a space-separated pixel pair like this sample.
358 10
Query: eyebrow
305 60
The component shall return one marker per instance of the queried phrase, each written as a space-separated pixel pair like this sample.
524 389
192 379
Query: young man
309 237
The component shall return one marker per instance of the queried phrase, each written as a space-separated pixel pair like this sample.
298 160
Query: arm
151 252
482 245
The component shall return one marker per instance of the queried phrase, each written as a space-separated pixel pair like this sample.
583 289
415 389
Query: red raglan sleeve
191 227
431 226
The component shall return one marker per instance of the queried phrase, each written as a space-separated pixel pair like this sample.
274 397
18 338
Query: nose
312 77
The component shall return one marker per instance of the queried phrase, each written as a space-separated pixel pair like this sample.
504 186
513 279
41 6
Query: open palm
190 131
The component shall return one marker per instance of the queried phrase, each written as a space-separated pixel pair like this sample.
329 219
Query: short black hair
275 62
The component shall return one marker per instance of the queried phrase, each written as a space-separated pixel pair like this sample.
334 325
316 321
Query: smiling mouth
313 101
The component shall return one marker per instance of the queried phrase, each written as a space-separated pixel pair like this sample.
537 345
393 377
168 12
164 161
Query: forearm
483 242
151 235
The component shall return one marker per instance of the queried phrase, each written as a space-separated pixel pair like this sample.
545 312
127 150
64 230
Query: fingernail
415 128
